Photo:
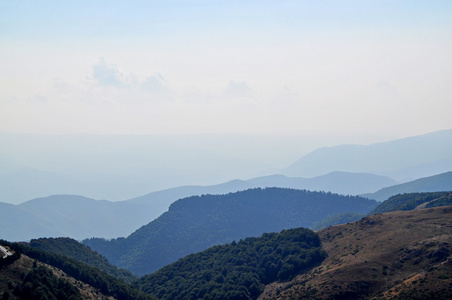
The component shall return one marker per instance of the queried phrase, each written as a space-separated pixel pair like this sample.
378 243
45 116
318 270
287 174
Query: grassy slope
395 255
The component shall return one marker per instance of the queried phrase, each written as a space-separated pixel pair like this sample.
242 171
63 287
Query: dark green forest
40 284
107 284
195 223
75 250
238 270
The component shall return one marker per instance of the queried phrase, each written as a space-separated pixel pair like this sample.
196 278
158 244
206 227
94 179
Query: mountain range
436 183
120 167
69 216
80 217
403 159
125 167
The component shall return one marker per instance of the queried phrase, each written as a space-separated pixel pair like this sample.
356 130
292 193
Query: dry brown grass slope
395 255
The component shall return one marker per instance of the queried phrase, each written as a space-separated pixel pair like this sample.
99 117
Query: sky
349 68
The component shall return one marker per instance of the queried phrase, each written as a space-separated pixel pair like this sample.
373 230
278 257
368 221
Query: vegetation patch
40 283
237 270
75 250
107 284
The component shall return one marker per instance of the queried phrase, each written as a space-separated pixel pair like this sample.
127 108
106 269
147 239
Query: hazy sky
254 67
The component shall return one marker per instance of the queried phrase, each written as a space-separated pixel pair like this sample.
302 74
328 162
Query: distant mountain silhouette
69 216
408 158
438 183
345 183
120 167
81 217
336 182
196 223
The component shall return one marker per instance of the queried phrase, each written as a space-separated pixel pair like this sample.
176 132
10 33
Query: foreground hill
436 183
408 158
196 223
395 255
72 249
35 274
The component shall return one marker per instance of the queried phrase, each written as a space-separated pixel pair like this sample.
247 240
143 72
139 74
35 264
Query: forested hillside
237 270
35 274
97 279
75 250
193 224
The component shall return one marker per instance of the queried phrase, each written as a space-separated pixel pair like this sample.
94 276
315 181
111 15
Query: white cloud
108 75
239 89
155 84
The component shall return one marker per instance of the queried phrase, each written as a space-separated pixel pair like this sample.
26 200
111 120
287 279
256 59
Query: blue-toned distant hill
437 183
70 216
335 182
120 167
403 159
80 217
196 223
